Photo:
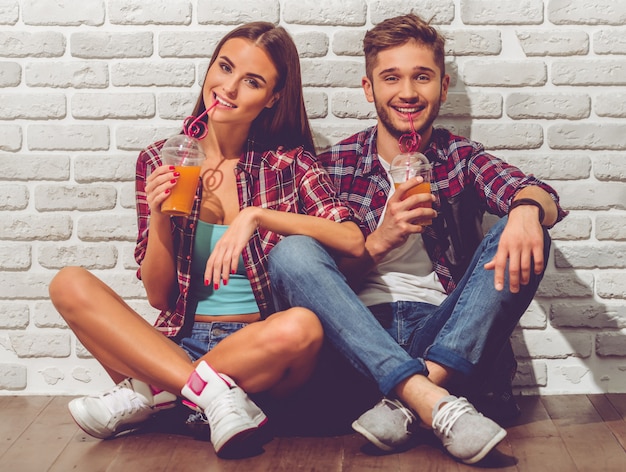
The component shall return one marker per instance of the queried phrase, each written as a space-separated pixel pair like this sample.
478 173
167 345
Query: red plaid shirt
291 181
458 162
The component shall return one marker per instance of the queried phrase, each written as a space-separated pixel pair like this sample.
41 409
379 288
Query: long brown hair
286 123
397 31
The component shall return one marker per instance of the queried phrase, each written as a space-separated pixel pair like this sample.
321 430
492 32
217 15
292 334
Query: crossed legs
458 332
276 354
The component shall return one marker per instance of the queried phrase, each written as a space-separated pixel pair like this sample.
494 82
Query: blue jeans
392 343
205 336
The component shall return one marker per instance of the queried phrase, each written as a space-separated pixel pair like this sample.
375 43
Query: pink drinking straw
409 142
193 127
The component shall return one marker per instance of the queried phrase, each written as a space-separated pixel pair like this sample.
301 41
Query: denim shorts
205 336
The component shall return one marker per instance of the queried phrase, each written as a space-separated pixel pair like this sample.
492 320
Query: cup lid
182 143
410 161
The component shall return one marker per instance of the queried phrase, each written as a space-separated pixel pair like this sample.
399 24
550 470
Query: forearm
345 237
355 269
544 199
158 268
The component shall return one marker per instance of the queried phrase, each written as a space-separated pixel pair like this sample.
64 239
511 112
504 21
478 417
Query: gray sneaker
465 433
388 425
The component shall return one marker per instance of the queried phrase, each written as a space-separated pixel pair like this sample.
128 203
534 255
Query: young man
424 317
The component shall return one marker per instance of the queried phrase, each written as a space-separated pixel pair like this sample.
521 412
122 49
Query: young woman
207 273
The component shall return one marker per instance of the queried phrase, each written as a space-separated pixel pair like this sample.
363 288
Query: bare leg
438 373
421 395
279 352
118 337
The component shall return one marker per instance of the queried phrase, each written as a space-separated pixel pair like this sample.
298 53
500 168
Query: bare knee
68 289
295 331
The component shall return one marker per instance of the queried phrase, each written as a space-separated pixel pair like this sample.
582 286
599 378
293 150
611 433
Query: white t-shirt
405 273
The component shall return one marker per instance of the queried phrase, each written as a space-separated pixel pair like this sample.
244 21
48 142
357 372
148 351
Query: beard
387 122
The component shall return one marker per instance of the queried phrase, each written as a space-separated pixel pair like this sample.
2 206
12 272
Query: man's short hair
397 31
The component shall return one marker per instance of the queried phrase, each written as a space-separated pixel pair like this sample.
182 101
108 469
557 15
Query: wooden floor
555 433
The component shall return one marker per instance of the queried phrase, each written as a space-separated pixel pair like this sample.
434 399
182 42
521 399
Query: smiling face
242 80
406 79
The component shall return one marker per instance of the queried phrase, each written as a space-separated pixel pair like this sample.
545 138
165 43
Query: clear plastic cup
407 166
186 155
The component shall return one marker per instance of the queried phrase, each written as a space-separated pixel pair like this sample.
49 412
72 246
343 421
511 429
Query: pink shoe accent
191 405
164 404
227 380
154 390
196 383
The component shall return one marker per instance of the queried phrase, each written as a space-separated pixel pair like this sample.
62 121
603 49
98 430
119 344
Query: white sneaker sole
79 413
240 439
85 421
487 448
370 437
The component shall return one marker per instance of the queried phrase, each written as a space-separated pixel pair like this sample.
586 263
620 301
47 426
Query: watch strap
529 201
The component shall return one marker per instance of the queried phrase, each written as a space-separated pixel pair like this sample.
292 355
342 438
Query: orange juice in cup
408 166
424 187
186 155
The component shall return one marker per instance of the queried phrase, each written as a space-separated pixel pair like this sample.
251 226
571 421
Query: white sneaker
122 408
465 433
389 425
232 416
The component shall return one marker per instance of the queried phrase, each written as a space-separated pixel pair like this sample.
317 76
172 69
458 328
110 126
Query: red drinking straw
409 143
193 127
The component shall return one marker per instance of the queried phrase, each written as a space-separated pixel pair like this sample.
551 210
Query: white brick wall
85 84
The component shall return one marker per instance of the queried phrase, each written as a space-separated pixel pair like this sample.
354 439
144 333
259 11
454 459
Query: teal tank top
236 298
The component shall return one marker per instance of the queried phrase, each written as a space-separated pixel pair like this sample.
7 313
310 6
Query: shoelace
448 414
197 417
122 401
221 407
396 405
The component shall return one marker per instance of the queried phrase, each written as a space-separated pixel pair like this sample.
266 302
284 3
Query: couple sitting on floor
287 257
